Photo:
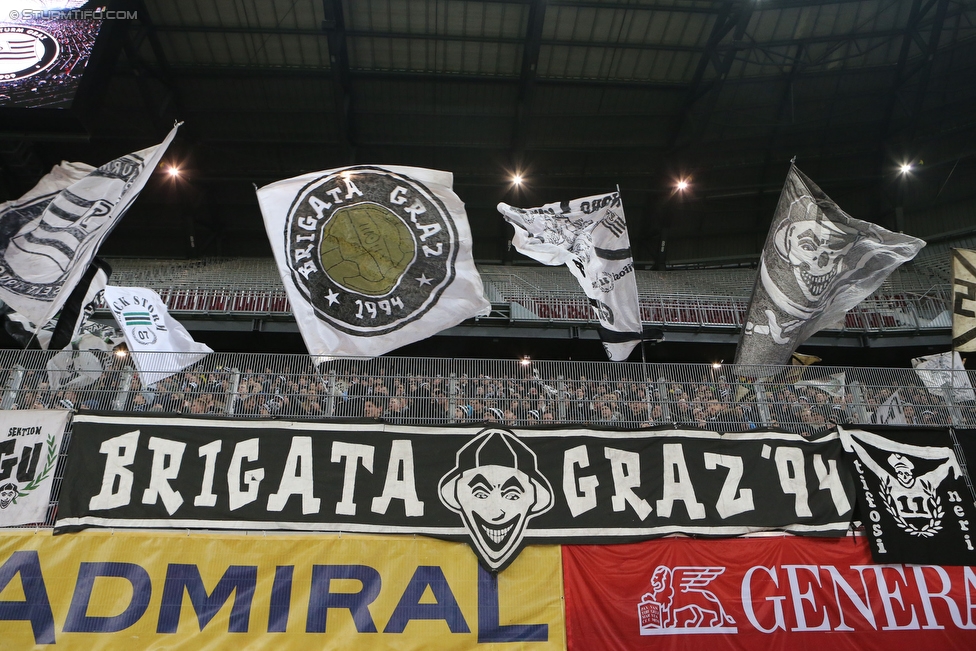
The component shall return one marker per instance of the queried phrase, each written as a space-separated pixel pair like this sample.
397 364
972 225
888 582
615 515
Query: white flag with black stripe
891 412
159 344
48 236
964 300
589 236
943 374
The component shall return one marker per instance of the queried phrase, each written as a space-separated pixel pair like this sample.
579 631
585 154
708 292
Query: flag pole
643 354
952 317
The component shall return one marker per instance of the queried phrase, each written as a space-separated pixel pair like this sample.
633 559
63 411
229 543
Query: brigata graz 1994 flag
913 496
48 237
497 489
818 262
590 237
372 258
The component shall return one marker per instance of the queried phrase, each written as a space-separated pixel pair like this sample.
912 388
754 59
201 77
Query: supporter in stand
608 415
634 412
477 413
371 409
577 407
838 411
397 411
682 413
656 416
308 404
440 410
139 403
718 417
508 418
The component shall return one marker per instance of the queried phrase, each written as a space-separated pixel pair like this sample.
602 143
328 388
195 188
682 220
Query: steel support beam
527 79
733 19
335 31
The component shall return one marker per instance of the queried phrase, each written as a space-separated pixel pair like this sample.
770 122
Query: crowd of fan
529 401
55 87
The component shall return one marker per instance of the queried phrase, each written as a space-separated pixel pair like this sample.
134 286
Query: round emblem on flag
144 335
25 51
371 250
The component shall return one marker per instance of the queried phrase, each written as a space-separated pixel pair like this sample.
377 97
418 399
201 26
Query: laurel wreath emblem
52 457
934 524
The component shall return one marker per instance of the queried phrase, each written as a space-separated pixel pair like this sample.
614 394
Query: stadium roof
577 96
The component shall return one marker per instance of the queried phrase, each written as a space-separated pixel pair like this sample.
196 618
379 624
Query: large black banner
913 496
497 489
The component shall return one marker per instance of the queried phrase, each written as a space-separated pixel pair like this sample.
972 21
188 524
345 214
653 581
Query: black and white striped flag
964 300
50 235
589 236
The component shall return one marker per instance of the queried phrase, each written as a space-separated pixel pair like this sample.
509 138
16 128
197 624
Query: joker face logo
8 493
496 488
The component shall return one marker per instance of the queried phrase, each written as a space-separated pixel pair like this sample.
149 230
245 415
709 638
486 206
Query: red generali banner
762 593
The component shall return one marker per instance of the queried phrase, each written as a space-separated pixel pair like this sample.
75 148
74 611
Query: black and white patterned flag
589 236
964 300
50 235
818 262
913 497
372 258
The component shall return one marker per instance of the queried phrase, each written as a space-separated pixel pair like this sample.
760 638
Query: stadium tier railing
908 301
446 390
808 400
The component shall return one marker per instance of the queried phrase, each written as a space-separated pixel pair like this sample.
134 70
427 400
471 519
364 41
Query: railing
226 301
807 400
452 390
559 300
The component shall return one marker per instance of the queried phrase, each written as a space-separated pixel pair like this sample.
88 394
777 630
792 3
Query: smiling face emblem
494 501
496 488
8 493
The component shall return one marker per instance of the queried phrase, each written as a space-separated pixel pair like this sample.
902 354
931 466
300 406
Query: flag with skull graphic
818 262
589 236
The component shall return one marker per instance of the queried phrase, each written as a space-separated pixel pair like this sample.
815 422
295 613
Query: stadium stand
912 298
805 400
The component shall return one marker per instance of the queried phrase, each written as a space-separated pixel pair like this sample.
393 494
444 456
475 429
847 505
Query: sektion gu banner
779 592
30 442
372 258
496 489
913 496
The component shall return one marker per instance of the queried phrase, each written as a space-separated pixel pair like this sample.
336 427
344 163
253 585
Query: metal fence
808 400
520 392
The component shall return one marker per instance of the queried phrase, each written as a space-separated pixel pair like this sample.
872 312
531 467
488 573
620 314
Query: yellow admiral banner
138 590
